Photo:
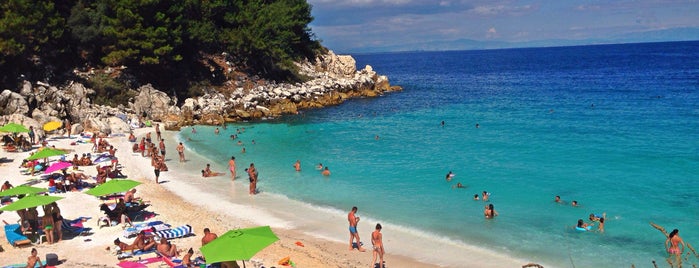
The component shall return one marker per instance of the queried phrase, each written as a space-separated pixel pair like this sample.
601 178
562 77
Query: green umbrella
31 201
239 244
46 152
23 189
14 128
112 187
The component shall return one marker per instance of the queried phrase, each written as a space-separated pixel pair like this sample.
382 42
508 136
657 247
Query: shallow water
613 127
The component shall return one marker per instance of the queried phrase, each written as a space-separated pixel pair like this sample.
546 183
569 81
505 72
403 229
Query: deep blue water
615 127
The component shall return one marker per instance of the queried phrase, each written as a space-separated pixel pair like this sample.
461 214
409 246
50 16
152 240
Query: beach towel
178 232
75 227
172 262
20 265
138 264
129 254
145 226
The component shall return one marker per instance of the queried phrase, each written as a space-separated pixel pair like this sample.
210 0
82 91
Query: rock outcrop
332 80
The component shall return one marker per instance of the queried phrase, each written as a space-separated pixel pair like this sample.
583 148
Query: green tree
141 32
26 26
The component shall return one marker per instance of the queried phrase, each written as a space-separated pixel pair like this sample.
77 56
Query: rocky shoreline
333 80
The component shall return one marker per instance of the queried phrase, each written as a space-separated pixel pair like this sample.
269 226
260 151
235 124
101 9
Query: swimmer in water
449 176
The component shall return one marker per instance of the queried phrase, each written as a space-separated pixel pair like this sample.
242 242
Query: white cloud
361 2
588 7
502 9
489 10
491 33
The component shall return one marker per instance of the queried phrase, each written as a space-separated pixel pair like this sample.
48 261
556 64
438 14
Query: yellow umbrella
53 125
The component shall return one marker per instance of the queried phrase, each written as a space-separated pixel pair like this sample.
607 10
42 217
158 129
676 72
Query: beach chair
15 237
178 232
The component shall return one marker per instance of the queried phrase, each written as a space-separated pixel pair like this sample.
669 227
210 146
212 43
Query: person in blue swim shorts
353 220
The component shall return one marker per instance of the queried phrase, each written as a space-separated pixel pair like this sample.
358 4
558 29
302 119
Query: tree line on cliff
164 42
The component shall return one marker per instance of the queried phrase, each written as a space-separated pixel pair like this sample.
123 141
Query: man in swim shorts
180 150
353 220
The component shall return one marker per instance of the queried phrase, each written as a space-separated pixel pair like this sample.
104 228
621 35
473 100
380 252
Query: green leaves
264 35
27 26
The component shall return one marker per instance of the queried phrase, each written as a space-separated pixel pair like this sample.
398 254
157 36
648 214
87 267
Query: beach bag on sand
51 259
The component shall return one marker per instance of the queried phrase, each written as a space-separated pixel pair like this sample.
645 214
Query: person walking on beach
377 243
157 165
354 235
157 131
673 242
161 146
68 127
180 151
231 167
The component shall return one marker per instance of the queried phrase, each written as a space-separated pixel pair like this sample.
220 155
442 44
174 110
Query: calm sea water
614 127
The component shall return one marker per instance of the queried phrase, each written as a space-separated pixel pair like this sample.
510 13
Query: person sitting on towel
167 249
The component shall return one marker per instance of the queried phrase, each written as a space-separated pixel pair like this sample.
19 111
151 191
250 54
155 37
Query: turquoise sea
615 127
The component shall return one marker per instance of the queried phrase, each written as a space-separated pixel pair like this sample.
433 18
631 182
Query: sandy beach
175 204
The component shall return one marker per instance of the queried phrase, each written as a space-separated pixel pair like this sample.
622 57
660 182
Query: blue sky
396 25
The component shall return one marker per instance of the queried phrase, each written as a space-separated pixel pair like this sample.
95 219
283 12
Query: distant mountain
676 34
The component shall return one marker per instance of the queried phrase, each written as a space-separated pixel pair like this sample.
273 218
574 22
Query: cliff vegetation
117 45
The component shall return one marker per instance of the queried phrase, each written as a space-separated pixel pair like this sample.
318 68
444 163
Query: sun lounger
15 237
178 232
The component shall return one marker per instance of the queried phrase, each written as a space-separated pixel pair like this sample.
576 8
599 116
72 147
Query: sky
348 26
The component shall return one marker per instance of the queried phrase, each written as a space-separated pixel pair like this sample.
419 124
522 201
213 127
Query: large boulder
152 103
13 103
117 125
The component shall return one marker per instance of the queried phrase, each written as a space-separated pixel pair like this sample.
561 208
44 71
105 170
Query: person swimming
449 176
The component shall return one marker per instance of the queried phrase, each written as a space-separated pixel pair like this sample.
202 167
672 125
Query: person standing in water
231 167
490 212
180 151
354 235
673 242
297 165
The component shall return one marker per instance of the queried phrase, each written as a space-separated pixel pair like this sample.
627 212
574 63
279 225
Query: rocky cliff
332 80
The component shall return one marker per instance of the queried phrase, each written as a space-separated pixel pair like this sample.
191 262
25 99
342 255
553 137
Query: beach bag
51 259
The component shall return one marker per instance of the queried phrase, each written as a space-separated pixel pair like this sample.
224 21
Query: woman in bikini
673 242
377 242
490 211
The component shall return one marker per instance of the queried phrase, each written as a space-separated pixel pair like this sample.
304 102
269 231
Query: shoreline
402 241
177 201
170 207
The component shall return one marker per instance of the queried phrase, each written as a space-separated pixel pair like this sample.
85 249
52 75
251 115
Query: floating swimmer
450 175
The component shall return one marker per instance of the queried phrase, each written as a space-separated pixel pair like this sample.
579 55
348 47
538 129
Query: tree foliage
154 36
